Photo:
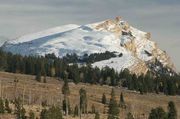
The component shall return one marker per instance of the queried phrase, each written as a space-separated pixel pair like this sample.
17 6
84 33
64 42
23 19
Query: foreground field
34 93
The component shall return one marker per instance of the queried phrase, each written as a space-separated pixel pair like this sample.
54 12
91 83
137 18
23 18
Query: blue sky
160 17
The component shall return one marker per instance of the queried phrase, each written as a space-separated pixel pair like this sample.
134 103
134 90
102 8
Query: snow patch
118 63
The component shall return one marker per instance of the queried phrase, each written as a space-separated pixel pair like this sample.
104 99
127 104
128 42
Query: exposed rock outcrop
137 45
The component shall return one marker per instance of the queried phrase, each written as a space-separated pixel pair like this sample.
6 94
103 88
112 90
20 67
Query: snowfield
68 39
117 63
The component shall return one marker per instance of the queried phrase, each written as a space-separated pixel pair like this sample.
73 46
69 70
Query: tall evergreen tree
122 98
19 109
64 106
31 115
129 116
113 112
44 79
7 108
52 113
103 99
23 113
172 113
43 114
97 115
1 106
171 87
38 76
76 111
121 101
83 101
93 109
157 113
66 92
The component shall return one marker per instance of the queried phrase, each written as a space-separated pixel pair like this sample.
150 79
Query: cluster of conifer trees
74 58
169 85
52 66
159 113
18 109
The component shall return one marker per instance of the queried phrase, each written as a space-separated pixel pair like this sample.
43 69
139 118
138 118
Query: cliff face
139 52
139 44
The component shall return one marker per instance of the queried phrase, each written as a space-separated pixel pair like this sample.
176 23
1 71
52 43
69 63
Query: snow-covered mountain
140 53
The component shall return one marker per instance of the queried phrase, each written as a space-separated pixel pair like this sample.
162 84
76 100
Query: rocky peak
116 26
137 42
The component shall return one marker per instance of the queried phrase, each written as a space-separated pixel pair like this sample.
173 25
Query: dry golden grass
35 93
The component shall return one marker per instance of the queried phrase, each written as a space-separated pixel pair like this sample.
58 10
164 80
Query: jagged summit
140 53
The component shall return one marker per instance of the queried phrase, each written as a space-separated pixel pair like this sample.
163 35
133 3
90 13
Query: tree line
50 65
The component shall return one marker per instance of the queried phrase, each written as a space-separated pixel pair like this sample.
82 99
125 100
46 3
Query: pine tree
76 111
172 113
97 116
121 101
1 106
103 99
122 98
38 76
44 103
54 113
7 108
31 115
43 114
15 87
83 101
171 87
157 113
19 109
44 79
93 109
64 106
129 116
113 112
69 108
66 92
3 61
23 113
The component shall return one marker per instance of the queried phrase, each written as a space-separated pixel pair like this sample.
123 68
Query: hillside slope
36 92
